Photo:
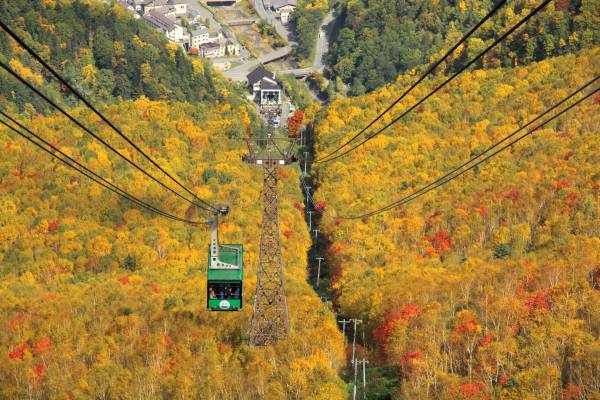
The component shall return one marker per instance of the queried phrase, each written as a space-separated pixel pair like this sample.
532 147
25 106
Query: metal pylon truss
270 320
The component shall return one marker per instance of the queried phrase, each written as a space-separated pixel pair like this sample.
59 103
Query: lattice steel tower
270 320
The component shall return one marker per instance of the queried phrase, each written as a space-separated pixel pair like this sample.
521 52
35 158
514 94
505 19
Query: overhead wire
82 169
459 171
33 53
86 129
429 71
443 84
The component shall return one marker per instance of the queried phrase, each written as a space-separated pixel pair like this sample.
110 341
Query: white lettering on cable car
224 304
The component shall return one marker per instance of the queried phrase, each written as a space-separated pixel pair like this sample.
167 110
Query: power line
451 78
82 169
442 181
86 129
98 113
425 75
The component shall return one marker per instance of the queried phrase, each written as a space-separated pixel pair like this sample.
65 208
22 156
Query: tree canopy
488 286
381 39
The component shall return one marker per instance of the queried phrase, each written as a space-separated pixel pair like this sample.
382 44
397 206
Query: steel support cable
482 153
442 181
429 71
71 163
443 84
86 129
98 113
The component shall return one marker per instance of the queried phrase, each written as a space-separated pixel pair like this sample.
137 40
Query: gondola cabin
225 275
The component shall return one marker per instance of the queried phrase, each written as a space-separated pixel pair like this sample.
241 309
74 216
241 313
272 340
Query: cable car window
224 291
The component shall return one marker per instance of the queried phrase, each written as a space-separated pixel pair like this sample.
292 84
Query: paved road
321 47
267 15
240 72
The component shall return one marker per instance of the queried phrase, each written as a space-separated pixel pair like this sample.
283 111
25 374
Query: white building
232 49
264 87
173 31
212 50
215 35
199 36
180 7
148 5
284 9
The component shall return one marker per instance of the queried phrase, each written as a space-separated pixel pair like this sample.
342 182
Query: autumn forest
487 287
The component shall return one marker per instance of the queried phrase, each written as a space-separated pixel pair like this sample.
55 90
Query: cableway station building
262 84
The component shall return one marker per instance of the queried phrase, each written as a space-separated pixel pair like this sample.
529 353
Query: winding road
281 29
322 46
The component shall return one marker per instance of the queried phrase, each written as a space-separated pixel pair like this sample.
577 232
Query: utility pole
364 362
310 213
316 231
354 363
305 161
344 322
319 259
270 321
307 189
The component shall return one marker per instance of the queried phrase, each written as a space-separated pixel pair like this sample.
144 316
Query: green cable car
225 272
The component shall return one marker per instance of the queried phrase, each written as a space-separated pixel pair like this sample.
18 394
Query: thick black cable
89 173
514 133
98 113
420 193
73 161
451 78
429 71
86 129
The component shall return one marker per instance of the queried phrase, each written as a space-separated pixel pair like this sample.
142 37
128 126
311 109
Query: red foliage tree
53 227
538 302
40 370
471 391
166 339
42 346
223 347
563 184
19 351
503 379
124 280
298 206
440 242
407 361
468 327
320 206
406 314
154 287
487 339
295 123
572 392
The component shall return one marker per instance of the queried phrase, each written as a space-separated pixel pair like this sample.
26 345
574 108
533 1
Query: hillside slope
102 50
380 39
490 286
101 300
